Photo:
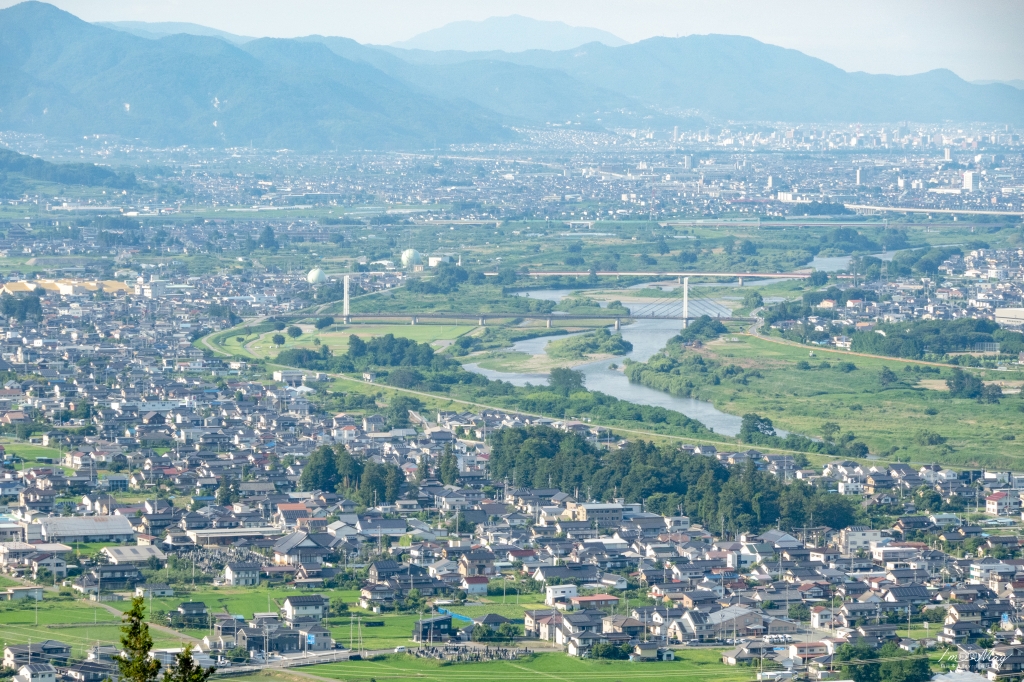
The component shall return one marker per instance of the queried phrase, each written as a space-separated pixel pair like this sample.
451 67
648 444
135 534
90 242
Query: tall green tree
186 670
393 478
321 471
373 485
134 664
566 381
398 410
858 662
224 492
898 665
267 239
754 427
448 467
350 470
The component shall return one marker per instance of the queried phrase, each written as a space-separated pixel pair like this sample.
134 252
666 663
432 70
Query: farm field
235 601
900 421
509 609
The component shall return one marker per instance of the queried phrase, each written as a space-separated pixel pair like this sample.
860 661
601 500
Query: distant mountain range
1017 83
509 34
154 30
164 84
62 76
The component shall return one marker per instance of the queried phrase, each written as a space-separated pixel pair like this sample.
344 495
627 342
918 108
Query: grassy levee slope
913 417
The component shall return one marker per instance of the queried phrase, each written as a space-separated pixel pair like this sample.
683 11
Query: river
647 337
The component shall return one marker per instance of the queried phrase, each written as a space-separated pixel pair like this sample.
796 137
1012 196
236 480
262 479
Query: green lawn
801 400
91 548
30 453
691 665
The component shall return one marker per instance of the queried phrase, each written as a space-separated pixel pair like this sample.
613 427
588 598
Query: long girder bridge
482 319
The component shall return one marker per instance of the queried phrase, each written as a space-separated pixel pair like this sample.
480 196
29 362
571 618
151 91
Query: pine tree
448 467
134 664
393 478
186 670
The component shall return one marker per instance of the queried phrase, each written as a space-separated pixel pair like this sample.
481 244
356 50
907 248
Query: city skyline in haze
978 41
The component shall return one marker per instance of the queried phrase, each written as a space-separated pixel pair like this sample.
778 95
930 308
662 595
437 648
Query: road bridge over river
482 318
664 275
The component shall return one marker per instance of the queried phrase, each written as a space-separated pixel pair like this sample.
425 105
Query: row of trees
21 307
668 481
914 339
758 430
367 482
863 663
382 351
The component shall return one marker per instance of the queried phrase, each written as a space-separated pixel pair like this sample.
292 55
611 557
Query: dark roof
307 600
491 619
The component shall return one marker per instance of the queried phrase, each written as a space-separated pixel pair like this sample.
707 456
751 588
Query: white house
559 595
821 617
241 573
856 538
36 672
475 584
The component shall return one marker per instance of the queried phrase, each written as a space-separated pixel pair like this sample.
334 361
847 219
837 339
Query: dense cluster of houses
981 284
235 456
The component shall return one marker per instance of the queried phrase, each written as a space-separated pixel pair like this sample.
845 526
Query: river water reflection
647 337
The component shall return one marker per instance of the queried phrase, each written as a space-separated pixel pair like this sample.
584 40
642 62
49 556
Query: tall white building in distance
970 181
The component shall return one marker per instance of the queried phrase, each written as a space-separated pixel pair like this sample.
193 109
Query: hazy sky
978 39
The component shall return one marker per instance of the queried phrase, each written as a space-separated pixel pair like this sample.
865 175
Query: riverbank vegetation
902 411
406 364
599 342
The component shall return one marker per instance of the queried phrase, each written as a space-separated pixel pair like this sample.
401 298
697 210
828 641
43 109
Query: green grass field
690 665
397 628
21 622
510 609
30 453
899 417
243 601
261 346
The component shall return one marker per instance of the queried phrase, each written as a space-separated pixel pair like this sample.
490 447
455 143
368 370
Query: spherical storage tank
411 257
316 276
